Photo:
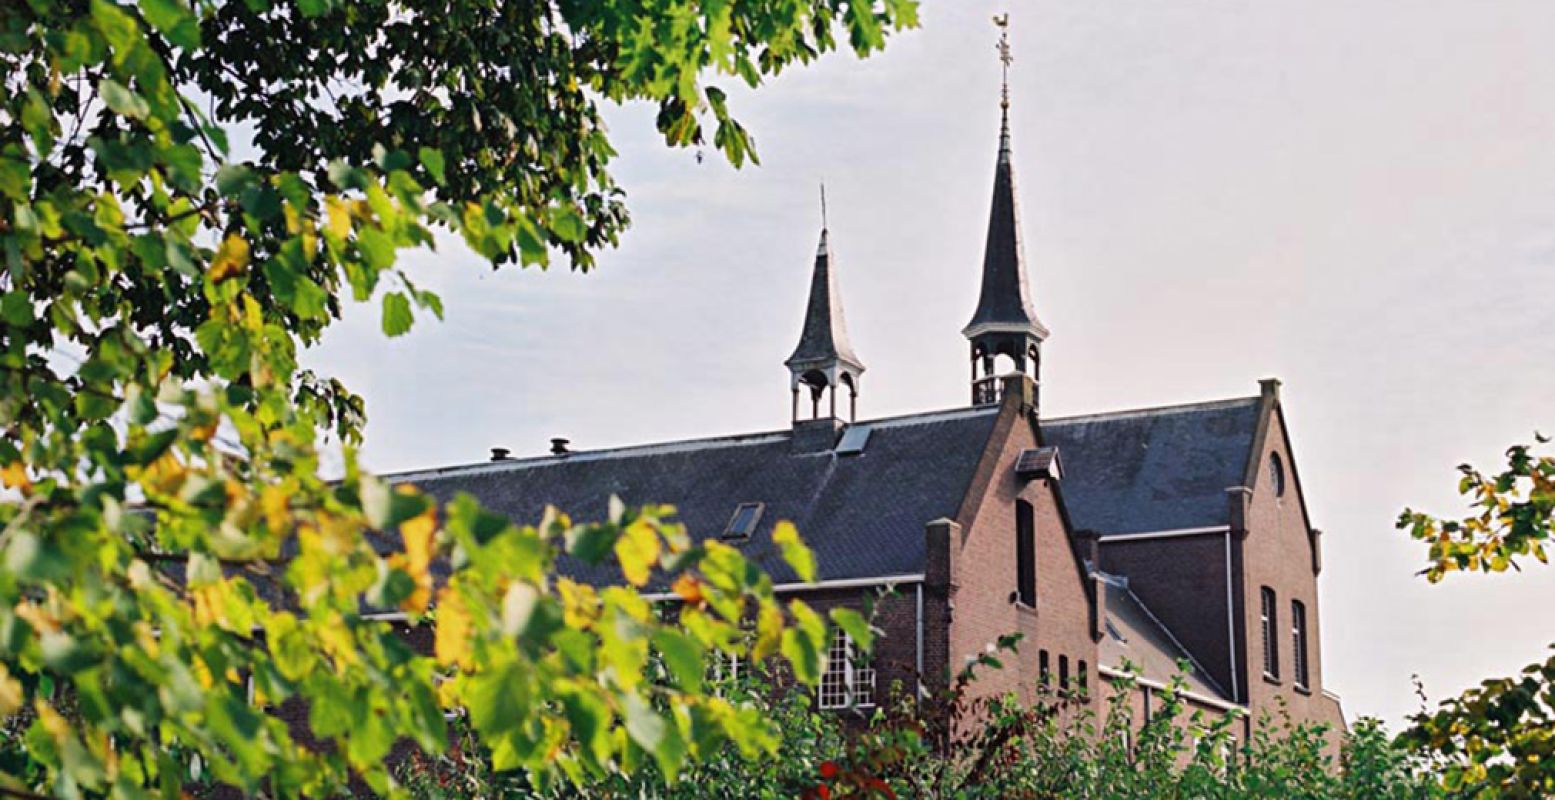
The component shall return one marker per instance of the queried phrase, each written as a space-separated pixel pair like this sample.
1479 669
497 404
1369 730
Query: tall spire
824 358
1005 322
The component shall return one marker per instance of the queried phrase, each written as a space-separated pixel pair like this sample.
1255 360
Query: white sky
1356 197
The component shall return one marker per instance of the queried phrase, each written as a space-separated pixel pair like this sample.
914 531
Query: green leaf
683 656
376 246
122 100
589 718
173 19
16 309
854 624
232 179
117 27
567 224
804 642
591 542
798 556
432 159
396 314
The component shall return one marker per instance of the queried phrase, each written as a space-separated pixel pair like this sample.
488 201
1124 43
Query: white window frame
855 686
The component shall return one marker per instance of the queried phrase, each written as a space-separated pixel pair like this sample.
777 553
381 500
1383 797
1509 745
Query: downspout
918 660
1236 693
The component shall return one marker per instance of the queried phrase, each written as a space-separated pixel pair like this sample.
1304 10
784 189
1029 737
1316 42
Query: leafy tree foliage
190 190
1497 739
956 745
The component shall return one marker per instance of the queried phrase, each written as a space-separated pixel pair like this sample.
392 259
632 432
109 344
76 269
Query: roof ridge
1201 405
671 446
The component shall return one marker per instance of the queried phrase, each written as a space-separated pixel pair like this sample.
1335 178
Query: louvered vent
1038 462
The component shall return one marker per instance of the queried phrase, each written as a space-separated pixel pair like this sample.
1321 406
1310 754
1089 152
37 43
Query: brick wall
1277 552
1182 580
982 571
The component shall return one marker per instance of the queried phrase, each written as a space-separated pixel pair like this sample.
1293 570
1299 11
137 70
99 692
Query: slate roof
862 514
1145 643
1156 469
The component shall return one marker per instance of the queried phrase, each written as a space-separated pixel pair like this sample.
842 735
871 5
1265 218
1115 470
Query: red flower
828 770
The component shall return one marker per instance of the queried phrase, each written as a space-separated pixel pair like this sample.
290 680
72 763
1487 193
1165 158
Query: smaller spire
824 358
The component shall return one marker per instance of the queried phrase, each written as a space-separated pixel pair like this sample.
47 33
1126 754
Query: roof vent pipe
559 446
500 453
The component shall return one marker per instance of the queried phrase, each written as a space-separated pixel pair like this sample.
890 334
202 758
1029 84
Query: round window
1277 474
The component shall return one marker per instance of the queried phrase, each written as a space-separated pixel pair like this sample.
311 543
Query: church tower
1005 323
824 362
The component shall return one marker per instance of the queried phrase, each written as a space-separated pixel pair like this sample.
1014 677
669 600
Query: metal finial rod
1004 57
823 205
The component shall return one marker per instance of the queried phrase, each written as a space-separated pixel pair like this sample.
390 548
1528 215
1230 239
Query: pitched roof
1137 636
862 514
1155 469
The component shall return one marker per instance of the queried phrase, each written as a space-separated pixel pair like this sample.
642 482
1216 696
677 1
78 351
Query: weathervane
1004 57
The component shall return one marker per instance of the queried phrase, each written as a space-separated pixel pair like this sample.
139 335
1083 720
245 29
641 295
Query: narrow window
1025 555
1042 669
1277 474
1085 681
848 682
1063 673
1271 656
1298 642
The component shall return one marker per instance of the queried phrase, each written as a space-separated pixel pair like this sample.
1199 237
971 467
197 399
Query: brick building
1153 537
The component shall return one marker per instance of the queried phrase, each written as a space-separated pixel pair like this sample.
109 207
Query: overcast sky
1355 197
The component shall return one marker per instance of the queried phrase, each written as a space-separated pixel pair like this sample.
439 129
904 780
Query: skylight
743 523
853 440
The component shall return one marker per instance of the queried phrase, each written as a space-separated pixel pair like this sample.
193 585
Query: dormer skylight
744 521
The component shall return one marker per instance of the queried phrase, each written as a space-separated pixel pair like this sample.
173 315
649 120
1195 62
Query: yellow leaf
798 556
769 632
417 533
580 605
231 258
275 505
41 621
14 475
338 224
638 551
451 640
10 693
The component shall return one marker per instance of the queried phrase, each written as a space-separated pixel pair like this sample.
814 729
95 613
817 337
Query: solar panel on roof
853 440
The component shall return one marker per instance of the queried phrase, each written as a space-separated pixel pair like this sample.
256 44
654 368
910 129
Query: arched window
1277 474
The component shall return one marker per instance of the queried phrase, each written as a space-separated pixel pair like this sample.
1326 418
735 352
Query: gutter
841 583
1212 702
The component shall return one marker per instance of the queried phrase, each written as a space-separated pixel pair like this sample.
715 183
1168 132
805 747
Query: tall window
1085 679
1063 673
1277 474
1042 669
849 681
1298 643
1271 653
1025 554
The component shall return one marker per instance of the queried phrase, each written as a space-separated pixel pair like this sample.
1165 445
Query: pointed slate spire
1005 322
1005 303
824 358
